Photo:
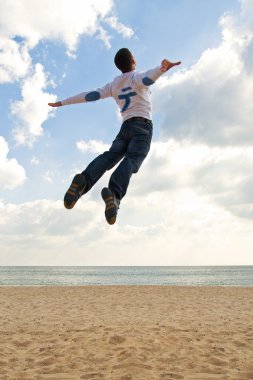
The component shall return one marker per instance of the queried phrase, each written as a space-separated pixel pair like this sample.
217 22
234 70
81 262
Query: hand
56 104
166 65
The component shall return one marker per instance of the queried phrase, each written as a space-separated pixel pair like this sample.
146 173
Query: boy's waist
139 118
137 112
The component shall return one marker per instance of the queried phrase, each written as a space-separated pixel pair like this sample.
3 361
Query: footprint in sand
46 362
217 362
116 339
22 344
92 375
170 375
237 343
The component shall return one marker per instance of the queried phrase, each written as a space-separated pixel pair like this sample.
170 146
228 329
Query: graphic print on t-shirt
126 97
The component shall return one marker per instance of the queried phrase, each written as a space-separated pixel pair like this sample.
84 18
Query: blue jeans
132 144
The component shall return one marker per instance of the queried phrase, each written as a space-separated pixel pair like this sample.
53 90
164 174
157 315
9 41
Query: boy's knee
135 161
111 158
138 155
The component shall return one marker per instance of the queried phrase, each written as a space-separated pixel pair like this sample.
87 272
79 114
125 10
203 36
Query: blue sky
191 203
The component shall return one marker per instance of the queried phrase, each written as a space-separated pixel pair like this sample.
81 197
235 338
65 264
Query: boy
131 92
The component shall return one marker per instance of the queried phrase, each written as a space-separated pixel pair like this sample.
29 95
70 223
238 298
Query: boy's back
132 94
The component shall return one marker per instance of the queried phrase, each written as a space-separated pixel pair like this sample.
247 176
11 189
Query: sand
126 333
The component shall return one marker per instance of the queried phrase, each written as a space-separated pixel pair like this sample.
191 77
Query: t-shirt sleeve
90 96
147 78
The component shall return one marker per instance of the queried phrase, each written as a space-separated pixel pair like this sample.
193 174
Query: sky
191 203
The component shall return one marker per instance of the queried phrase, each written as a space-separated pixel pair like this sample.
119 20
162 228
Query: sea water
132 275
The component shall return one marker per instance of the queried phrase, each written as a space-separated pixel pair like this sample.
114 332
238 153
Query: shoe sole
70 197
110 209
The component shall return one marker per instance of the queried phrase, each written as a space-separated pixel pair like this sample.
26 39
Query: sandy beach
126 333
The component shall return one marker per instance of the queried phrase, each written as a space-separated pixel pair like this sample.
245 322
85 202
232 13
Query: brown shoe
75 191
111 205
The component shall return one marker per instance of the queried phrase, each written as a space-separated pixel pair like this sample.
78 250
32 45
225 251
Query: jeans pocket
143 129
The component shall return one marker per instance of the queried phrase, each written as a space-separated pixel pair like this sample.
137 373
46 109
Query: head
124 60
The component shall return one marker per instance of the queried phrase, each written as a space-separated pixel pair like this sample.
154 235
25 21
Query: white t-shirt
130 91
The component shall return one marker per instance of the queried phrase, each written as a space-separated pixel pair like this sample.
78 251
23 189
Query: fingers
177 63
171 64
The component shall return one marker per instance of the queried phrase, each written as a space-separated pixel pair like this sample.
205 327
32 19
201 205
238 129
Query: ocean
132 275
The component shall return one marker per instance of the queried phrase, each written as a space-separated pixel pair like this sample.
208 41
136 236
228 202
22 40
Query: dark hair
123 60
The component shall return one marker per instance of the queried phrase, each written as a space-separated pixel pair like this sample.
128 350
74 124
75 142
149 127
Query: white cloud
32 110
92 146
126 31
36 20
32 21
15 60
104 36
48 176
43 231
23 24
220 173
212 101
34 161
12 174
147 232
188 205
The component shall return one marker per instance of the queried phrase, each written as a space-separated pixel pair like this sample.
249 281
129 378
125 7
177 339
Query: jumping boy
131 92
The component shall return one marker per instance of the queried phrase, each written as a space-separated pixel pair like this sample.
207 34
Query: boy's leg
137 151
83 182
104 162
135 155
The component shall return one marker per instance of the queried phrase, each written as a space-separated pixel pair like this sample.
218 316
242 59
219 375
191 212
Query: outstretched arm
83 97
149 77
